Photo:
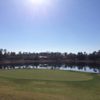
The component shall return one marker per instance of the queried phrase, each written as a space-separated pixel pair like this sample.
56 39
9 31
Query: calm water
92 68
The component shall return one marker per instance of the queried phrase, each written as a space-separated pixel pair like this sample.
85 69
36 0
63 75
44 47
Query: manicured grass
33 84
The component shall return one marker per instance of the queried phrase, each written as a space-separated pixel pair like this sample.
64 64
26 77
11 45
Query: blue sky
58 25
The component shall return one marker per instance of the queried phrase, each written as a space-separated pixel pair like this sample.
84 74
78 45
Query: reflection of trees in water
74 65
83 66
35 65
53 66
99 70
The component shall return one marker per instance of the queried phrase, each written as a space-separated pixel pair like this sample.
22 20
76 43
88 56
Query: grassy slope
48 85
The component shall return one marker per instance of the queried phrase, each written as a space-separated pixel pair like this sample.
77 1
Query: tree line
50 56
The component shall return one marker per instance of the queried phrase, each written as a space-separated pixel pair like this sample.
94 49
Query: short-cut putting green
35 84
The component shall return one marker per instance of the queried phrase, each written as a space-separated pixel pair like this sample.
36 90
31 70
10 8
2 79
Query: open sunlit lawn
34 84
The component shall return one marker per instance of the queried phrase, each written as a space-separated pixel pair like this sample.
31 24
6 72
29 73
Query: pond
92 68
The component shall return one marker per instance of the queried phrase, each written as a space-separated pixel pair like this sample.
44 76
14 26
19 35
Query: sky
50 25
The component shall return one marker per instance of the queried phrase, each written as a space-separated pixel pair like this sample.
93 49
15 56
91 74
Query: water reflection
92 68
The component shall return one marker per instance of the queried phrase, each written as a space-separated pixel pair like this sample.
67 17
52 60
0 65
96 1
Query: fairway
35 84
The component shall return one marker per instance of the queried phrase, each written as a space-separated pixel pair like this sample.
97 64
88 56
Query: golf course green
40 84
